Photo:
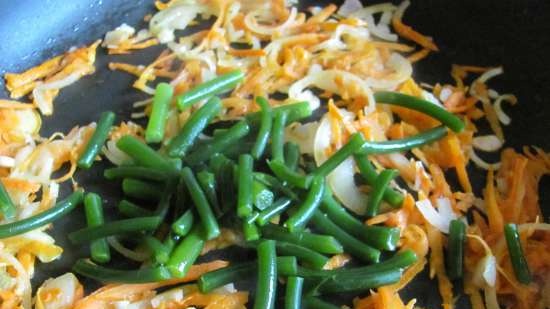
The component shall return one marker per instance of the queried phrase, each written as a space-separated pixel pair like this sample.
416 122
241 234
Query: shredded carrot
132 44
437 266
335 119
475 297
368 302
20 185
71 65
125 128
492 118
246 52
148 73
475 113
389 298
480 223
214 301
452 147
511 203
393 46
410 274
460 72
416 239
519 177
323 15
455 101
419 55
14 81
493 211
409 33
419 120
128 68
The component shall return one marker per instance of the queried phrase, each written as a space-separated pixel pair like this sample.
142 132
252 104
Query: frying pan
513 34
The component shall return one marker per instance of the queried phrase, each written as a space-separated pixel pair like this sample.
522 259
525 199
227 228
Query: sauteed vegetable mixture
300 137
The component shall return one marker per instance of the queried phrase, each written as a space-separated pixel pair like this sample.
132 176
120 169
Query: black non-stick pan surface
510 33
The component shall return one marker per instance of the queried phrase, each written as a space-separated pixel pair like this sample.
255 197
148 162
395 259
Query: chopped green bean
316 242
138 172
351 244
196 123
219 143
380 237
220 277
236 149
141 190
266 286
368 172
296 111
286 266
275 184
284 173
159 252
186 253
225 178
292 155
210 88
306 255
97 140
144 155
253 217
303 214
311 302
354 143
375 196
455 249
133 225
164 203
400 260
99 248
244 195
170 242
250 231
269 213
423 106
277 136
359 282
404 144
154 133
515 251
103 274
208 184
184 223
46 217
208 220
262 197
293 295
132 210
265 128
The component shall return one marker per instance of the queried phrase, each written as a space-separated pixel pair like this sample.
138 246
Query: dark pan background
488 33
